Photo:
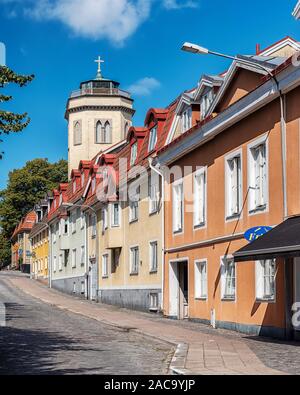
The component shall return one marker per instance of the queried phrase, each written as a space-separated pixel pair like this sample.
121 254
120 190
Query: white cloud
113 19
177 4
144 86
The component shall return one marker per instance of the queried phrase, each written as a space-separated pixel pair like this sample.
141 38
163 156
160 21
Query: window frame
112 215
258 295
131 249
133 158
200 172
105 260
153 269
152 141
180 229
229 216
199 294
252 209
224 297
153 202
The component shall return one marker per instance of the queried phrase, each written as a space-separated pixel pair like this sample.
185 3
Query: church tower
99 115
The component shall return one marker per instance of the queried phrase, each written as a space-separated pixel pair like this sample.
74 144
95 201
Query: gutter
160 174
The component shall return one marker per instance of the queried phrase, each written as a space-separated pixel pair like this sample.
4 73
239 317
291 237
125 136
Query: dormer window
153 139
60 199
93 184
74 186
82 179
187 119
54 204
133 155
206 101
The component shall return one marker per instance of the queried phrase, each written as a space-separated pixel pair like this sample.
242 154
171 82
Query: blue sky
140 40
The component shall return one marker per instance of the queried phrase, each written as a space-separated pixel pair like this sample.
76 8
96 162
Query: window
54 263
228 279
77 133
103 132
178 207
93 222
187 120
74 258
234 186
82 255
82 179
206 101
126 129
153 257
134 260
133 210
115 259
105 266
82 220
93 185
133 156
265 279
106 133
201 280
200 198
154 301
65 226
73 222
104 219
152 139
74 186
258 177
153 194
115 215
60 199
60 263
98 132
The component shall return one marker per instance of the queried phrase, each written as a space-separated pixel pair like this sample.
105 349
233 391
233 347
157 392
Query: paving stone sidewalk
197 352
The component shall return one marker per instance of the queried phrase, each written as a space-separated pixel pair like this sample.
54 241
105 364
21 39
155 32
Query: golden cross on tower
99 61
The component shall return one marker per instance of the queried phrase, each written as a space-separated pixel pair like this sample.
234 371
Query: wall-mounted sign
255 233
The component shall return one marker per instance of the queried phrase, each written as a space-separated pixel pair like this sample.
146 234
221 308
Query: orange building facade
238 169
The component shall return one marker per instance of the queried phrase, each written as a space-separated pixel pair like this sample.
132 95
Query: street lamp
70 205
198 50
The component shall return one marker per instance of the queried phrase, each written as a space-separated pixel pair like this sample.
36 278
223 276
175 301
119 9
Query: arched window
106 133
126 129
77 133
98 136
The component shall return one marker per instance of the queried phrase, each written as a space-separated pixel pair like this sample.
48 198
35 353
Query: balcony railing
100 92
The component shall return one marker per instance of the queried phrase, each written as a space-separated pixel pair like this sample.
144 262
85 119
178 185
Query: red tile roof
26 224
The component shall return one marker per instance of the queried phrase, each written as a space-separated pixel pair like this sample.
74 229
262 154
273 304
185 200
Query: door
183 290
93 280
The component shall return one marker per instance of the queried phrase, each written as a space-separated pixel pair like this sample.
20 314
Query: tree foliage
9 121
26 187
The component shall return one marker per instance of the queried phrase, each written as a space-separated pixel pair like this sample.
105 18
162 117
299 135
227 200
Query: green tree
9 121
26 187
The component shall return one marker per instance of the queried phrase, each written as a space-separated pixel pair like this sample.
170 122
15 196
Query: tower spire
99 72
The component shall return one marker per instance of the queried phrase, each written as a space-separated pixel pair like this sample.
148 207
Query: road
42 339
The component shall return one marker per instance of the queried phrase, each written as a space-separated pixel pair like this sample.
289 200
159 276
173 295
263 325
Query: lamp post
199 50
70 205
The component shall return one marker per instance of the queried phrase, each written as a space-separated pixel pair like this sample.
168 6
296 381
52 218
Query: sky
140 41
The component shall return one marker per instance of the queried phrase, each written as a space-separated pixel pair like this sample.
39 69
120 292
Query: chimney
257 49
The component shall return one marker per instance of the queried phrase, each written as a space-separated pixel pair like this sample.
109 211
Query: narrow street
41 339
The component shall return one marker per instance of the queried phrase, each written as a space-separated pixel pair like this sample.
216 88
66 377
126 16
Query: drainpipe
283 152
160 174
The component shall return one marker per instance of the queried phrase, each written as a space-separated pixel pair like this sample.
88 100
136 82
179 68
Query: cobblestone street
41 339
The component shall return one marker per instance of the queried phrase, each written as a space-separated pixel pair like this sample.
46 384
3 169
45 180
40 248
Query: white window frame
178 224
187 119
206 101
105 259
82 255
224 296
230 211
104 218
74 255
60 263
154 193
201 284
133 210
200 196
152 139
153 268
133 250
133 153
112 215
252 206
260 281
